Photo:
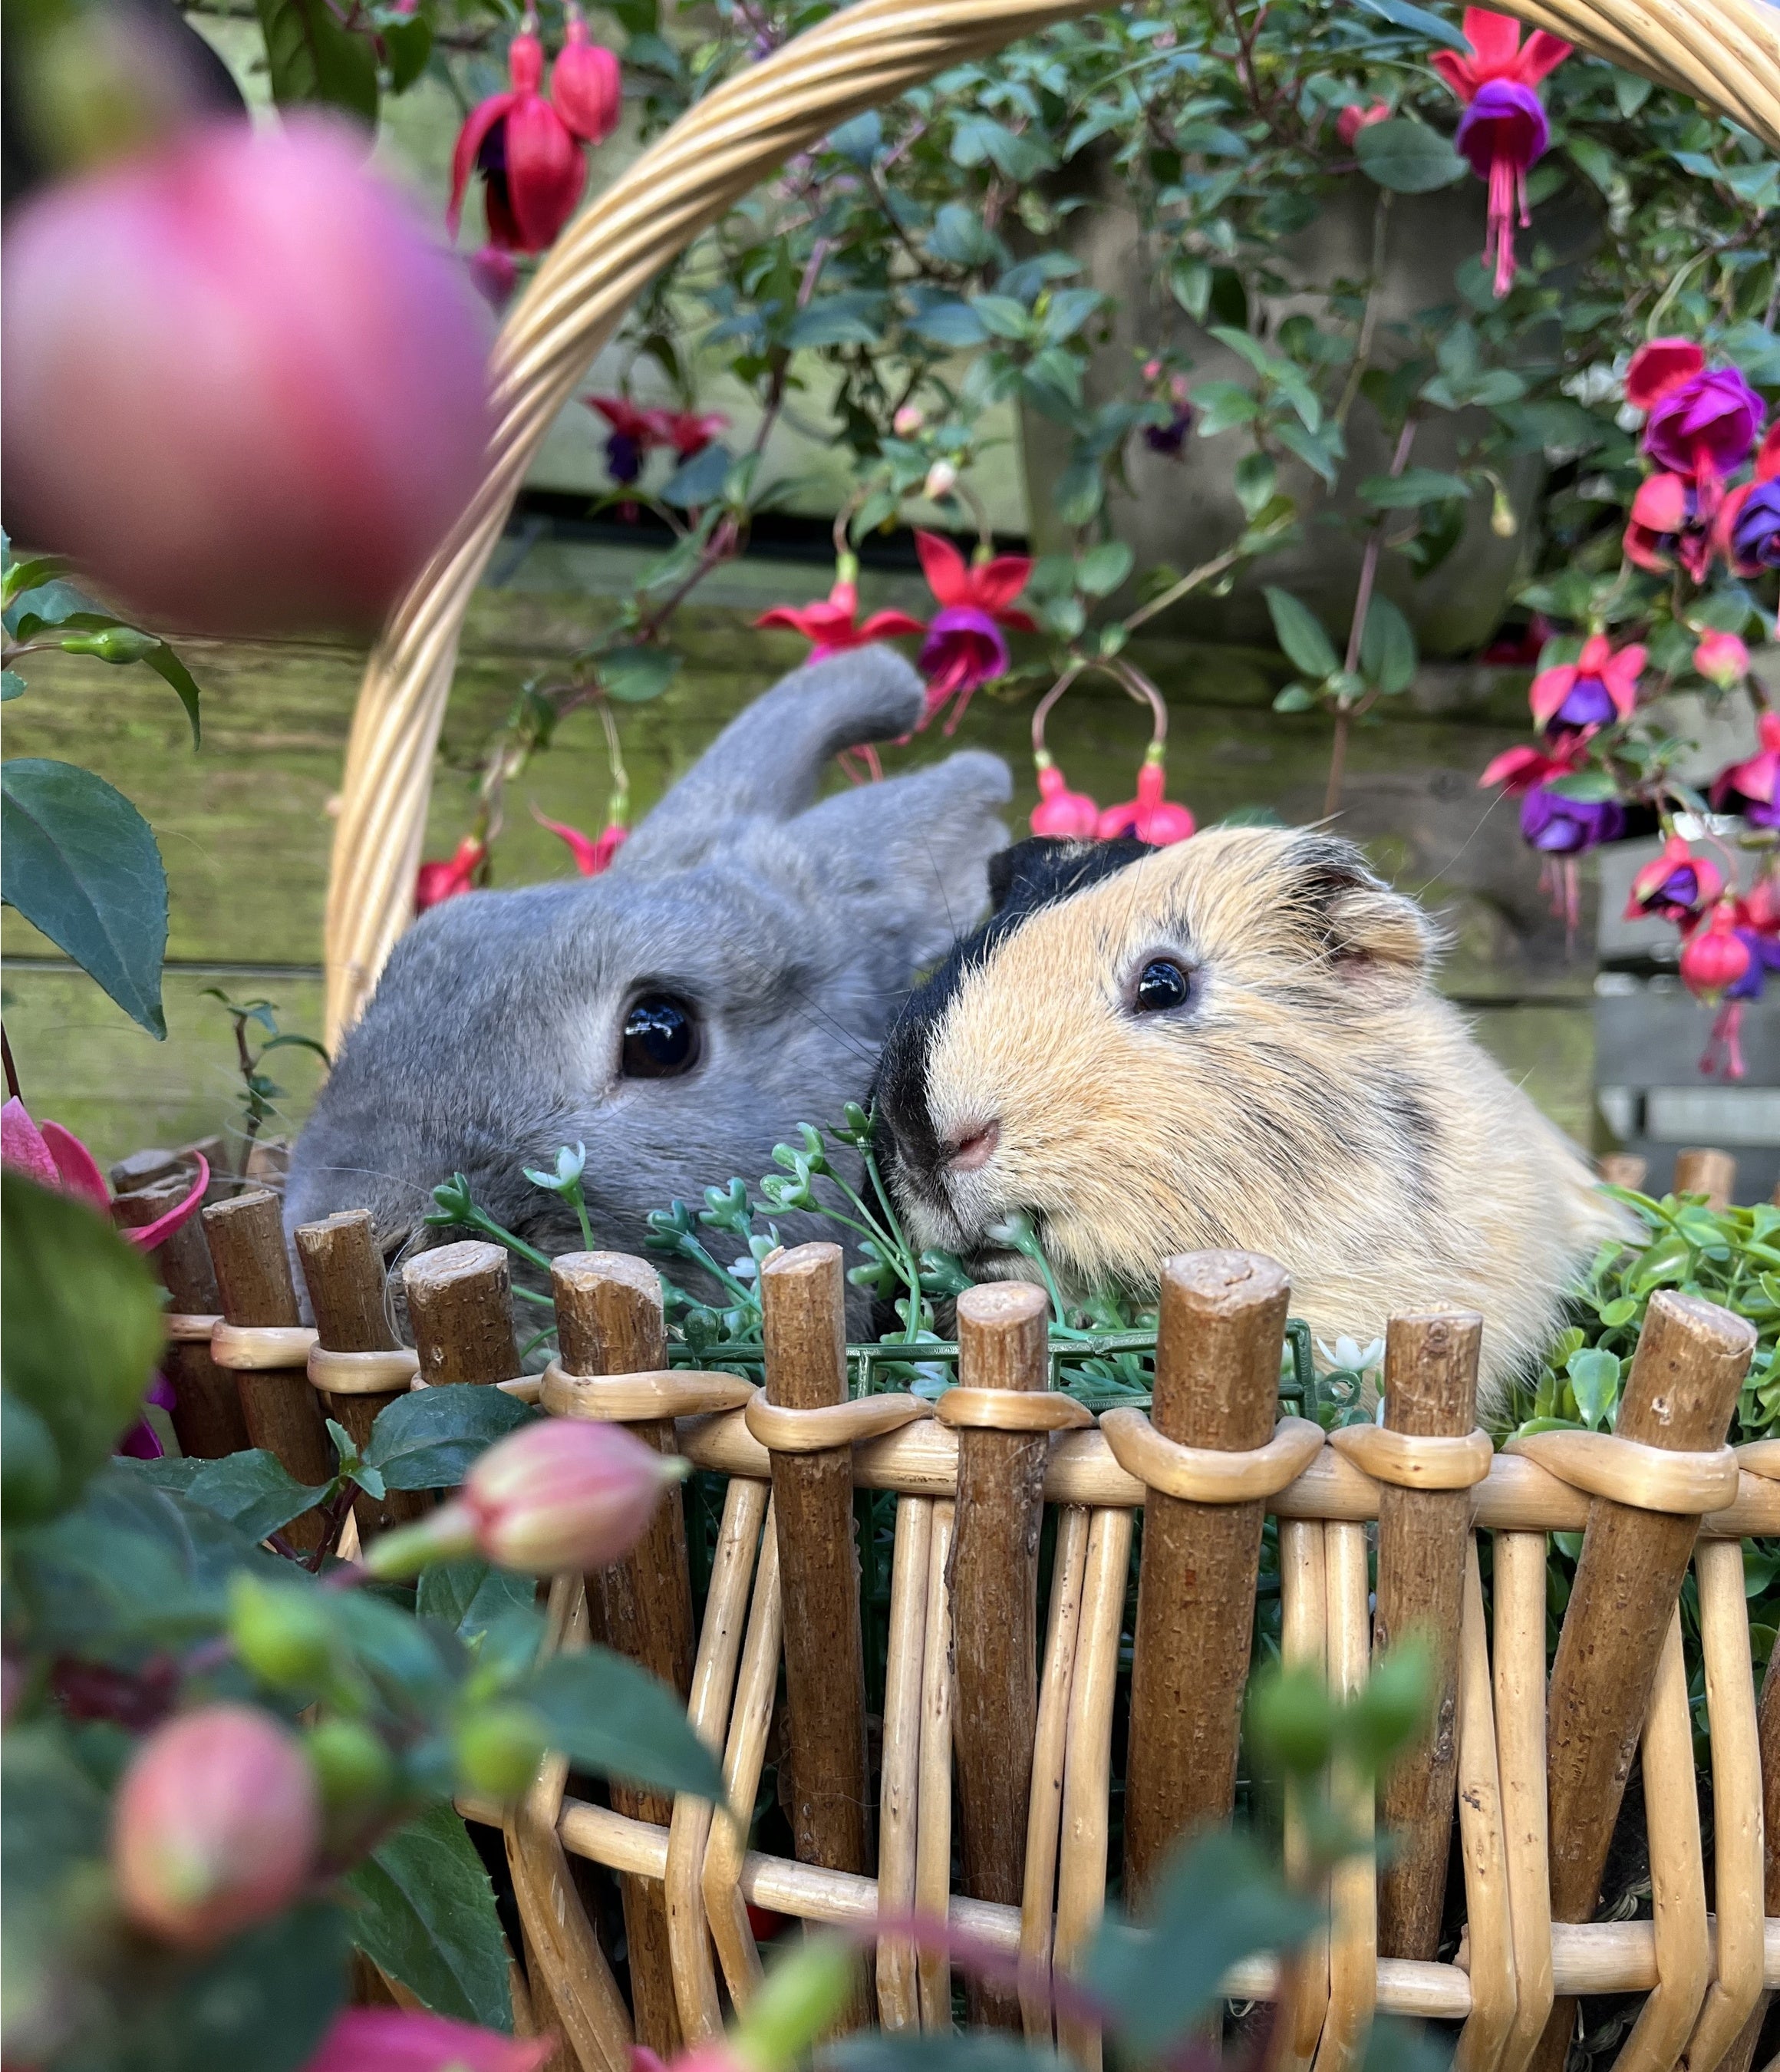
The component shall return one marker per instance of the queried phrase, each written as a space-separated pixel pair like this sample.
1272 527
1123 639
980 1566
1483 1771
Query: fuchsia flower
1071 815
1702 420
1717 956
1675 886
1503 132
529 157
1722 658
832 625
1360 115
689 432
964 647
1748 529
55 1157
592 854
637 432
1749 787
1558 826
1519 771
435 882
1149 817
1669 523
410 2040
585 83
1597 688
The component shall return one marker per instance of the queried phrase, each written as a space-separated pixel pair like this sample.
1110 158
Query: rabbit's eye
661 1038
1162 985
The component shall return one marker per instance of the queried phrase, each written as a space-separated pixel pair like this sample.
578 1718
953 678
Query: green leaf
82 1325
700 479
469 1595
1300 635
1594 159
1256 477
1220 405
634 676
310 57
613 1717
162 661
1295 698
12 685
1418 22
1407 157
1322 450
959 237
851 317
1189 282
1388 647
426 1914
1219 1901
253 1490
949 325
1102 568
1592 786
53 603
55 1839
80 862
1079 493
1002 317
1415 486
427 1440
1594 1377
23 576
946 2050
407 45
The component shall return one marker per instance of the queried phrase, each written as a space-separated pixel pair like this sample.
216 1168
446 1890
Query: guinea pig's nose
972 1153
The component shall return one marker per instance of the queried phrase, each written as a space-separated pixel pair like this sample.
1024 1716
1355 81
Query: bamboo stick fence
1004 1734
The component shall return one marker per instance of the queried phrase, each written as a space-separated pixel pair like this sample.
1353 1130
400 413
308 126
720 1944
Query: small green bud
281 1633
352 1764
113 643
499 1748
1292 1720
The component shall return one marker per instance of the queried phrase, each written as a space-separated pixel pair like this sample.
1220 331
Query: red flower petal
943 567
996 584
23 1148
1544 54
545 171
1550 689
586 87
150 1235
1656 369
1661 504
1767 460
476 125
889 626
75 1165
1494 38
1458 72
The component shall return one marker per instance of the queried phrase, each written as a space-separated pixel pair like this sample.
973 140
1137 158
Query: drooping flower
1599 686
411 2040
1557 826
593 853
1749 787
832 625
215 1826
1519 770
55 1157
688 432
1169 437
1357 116
1503 132
495 275
964 647
531 162
1676 885
1748 531
585 83
1701 421
436 881
1722 658
1149 817
1669 523
1060 812
1717 956
634 432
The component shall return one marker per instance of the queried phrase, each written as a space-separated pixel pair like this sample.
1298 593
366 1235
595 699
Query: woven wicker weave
1725 51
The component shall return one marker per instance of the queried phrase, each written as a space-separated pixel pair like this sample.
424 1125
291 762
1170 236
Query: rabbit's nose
974 1150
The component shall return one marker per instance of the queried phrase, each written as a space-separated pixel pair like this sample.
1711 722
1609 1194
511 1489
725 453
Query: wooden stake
1624 1169
801 1295
609 1321
1430 1391
1519 1593
460 1309
253 1286
1217 1386
343 1272
1483 1844
898 1992
1001 1344
933 1787
206 1409
1353 1885
1045 1812
1712 1173
1690 1363
1304 1619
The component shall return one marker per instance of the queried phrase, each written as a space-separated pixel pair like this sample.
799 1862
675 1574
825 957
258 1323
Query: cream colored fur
1318 1102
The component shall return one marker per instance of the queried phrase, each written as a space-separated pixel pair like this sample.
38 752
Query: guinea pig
729 978
1229 1043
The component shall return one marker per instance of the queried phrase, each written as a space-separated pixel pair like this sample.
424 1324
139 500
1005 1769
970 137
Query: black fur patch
1022 880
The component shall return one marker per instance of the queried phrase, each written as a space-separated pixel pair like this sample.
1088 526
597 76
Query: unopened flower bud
281 1632
112 643
1717 956
908 421
215 1826
941 478
1502 521
556 1495
352 1765
1722 658
498 1749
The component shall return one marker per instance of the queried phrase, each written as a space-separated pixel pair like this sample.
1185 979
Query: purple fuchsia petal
1505 121
1706 422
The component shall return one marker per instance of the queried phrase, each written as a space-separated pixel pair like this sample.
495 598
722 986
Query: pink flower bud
941 477
586 84
908 421
496 274
244 387
1716 957
1351 121
1060 811
411 2040
214 1827
562 1494
1722 658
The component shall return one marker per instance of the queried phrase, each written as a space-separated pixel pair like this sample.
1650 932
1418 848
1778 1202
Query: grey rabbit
729 977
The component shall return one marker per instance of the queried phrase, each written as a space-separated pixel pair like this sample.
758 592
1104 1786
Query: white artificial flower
1351 1354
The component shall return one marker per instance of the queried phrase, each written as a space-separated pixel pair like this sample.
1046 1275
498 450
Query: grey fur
795 927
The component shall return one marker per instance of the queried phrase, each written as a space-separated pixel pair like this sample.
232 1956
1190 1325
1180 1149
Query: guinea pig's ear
1362 928
768 763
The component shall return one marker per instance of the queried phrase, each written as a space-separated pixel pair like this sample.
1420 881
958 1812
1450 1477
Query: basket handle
1723 52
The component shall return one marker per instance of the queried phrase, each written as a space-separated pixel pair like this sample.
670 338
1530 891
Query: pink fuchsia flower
965 648
1169 437
1072 815
1599 686
435 882
1149 817
530 160
1503 132
832 625
411 2040
1558 826
1717 956
1669 523
1360 115
1749 787
245 387
1519 771
689 432
495 275
592 853
586 84
1676 885
558 1494
1701 421
1748 529
1722 658
634 432
215 1827
55 1157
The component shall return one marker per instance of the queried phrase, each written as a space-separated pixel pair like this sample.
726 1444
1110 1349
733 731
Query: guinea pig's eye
661 1038
1162 985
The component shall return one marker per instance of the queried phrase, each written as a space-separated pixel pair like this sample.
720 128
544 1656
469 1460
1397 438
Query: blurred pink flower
1753 787
1722 658
1149 817
1600 686
585 83
1360 115
965 648
531 162
1716 956
410 2040
831 624
244 386
55 1157
437 882
495 275
1060 811
592 853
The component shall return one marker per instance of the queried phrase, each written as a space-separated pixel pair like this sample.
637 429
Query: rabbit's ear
915 848
768 763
